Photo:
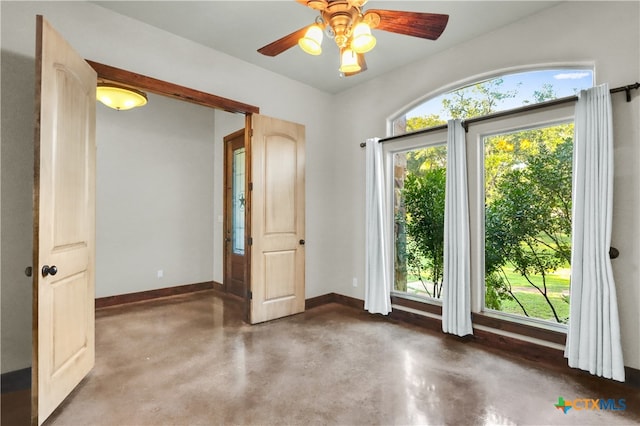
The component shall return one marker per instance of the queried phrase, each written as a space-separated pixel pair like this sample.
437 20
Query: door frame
109 74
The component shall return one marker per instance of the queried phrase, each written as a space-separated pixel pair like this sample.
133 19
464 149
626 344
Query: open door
64 222
277 217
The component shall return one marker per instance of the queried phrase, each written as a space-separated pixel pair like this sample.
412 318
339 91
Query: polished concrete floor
190 360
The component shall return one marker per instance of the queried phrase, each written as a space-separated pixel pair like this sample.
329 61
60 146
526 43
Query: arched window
522 194
497 94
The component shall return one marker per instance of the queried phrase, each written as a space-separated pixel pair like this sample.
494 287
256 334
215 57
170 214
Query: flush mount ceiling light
120 98
350 27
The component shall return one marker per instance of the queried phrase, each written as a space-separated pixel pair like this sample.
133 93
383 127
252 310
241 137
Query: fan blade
286 42
361 62
416 24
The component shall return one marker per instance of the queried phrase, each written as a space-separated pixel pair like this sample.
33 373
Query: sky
565 82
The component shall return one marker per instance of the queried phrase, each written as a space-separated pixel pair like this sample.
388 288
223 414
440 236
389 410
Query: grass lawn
537 306
533 301
557 282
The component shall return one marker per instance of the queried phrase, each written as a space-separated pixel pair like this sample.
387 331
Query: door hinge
249 295
250 241
250 186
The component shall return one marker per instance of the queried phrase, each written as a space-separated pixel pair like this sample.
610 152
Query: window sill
526 328
417 303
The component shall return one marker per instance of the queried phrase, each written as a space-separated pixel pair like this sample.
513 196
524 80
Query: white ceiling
239 28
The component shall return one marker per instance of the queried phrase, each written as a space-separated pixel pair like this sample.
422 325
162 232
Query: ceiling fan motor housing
340 16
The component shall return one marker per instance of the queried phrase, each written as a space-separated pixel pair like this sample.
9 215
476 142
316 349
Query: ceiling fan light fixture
312 40
120 98
362 40
349 61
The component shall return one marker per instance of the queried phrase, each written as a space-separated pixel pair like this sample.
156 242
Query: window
239 176
527 222
494 95
419 181
519 183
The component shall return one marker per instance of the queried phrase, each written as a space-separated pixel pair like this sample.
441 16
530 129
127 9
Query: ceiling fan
350 27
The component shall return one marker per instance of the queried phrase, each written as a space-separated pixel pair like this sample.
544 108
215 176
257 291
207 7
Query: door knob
302 242
49 270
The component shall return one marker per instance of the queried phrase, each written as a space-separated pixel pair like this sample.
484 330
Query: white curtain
377 297
456 287
593 338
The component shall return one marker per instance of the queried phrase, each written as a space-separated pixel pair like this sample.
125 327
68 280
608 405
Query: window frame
553 115
482 318
428 140
544 332
481 78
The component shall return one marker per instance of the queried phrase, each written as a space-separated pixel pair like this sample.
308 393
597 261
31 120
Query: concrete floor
190 360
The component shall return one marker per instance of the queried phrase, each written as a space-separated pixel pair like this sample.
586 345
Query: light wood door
277 160
64 221
235 178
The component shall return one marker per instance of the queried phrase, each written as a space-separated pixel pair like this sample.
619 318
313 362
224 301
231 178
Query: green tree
424 203
528 219
478 99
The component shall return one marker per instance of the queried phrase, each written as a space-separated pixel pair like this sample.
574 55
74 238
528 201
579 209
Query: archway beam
109 74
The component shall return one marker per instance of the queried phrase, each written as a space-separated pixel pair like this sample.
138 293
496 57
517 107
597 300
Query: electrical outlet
355 282
160 273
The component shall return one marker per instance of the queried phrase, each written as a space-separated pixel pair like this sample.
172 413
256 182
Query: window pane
494 95
419 187
528 222
238 201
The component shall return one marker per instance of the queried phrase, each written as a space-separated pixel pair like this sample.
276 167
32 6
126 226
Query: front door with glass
235 201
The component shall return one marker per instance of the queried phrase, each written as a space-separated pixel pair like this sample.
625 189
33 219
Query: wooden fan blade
286 42
416 24
361 62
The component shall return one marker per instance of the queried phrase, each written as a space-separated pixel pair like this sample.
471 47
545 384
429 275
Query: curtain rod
465 123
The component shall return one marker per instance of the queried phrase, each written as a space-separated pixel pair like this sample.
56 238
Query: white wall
155 196
605 35
122 265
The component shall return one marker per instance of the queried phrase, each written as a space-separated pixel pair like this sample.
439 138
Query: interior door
235 212
277 165
64 222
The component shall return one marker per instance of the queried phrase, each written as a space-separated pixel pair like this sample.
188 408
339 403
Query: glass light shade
362 40
312 40
349 61
120 98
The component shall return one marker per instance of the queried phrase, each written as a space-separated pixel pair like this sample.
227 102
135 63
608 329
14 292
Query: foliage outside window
494 95
528 222
528 197
419 182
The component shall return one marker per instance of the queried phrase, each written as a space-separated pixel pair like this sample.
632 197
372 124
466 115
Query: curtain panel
377 297
593 337
456 285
